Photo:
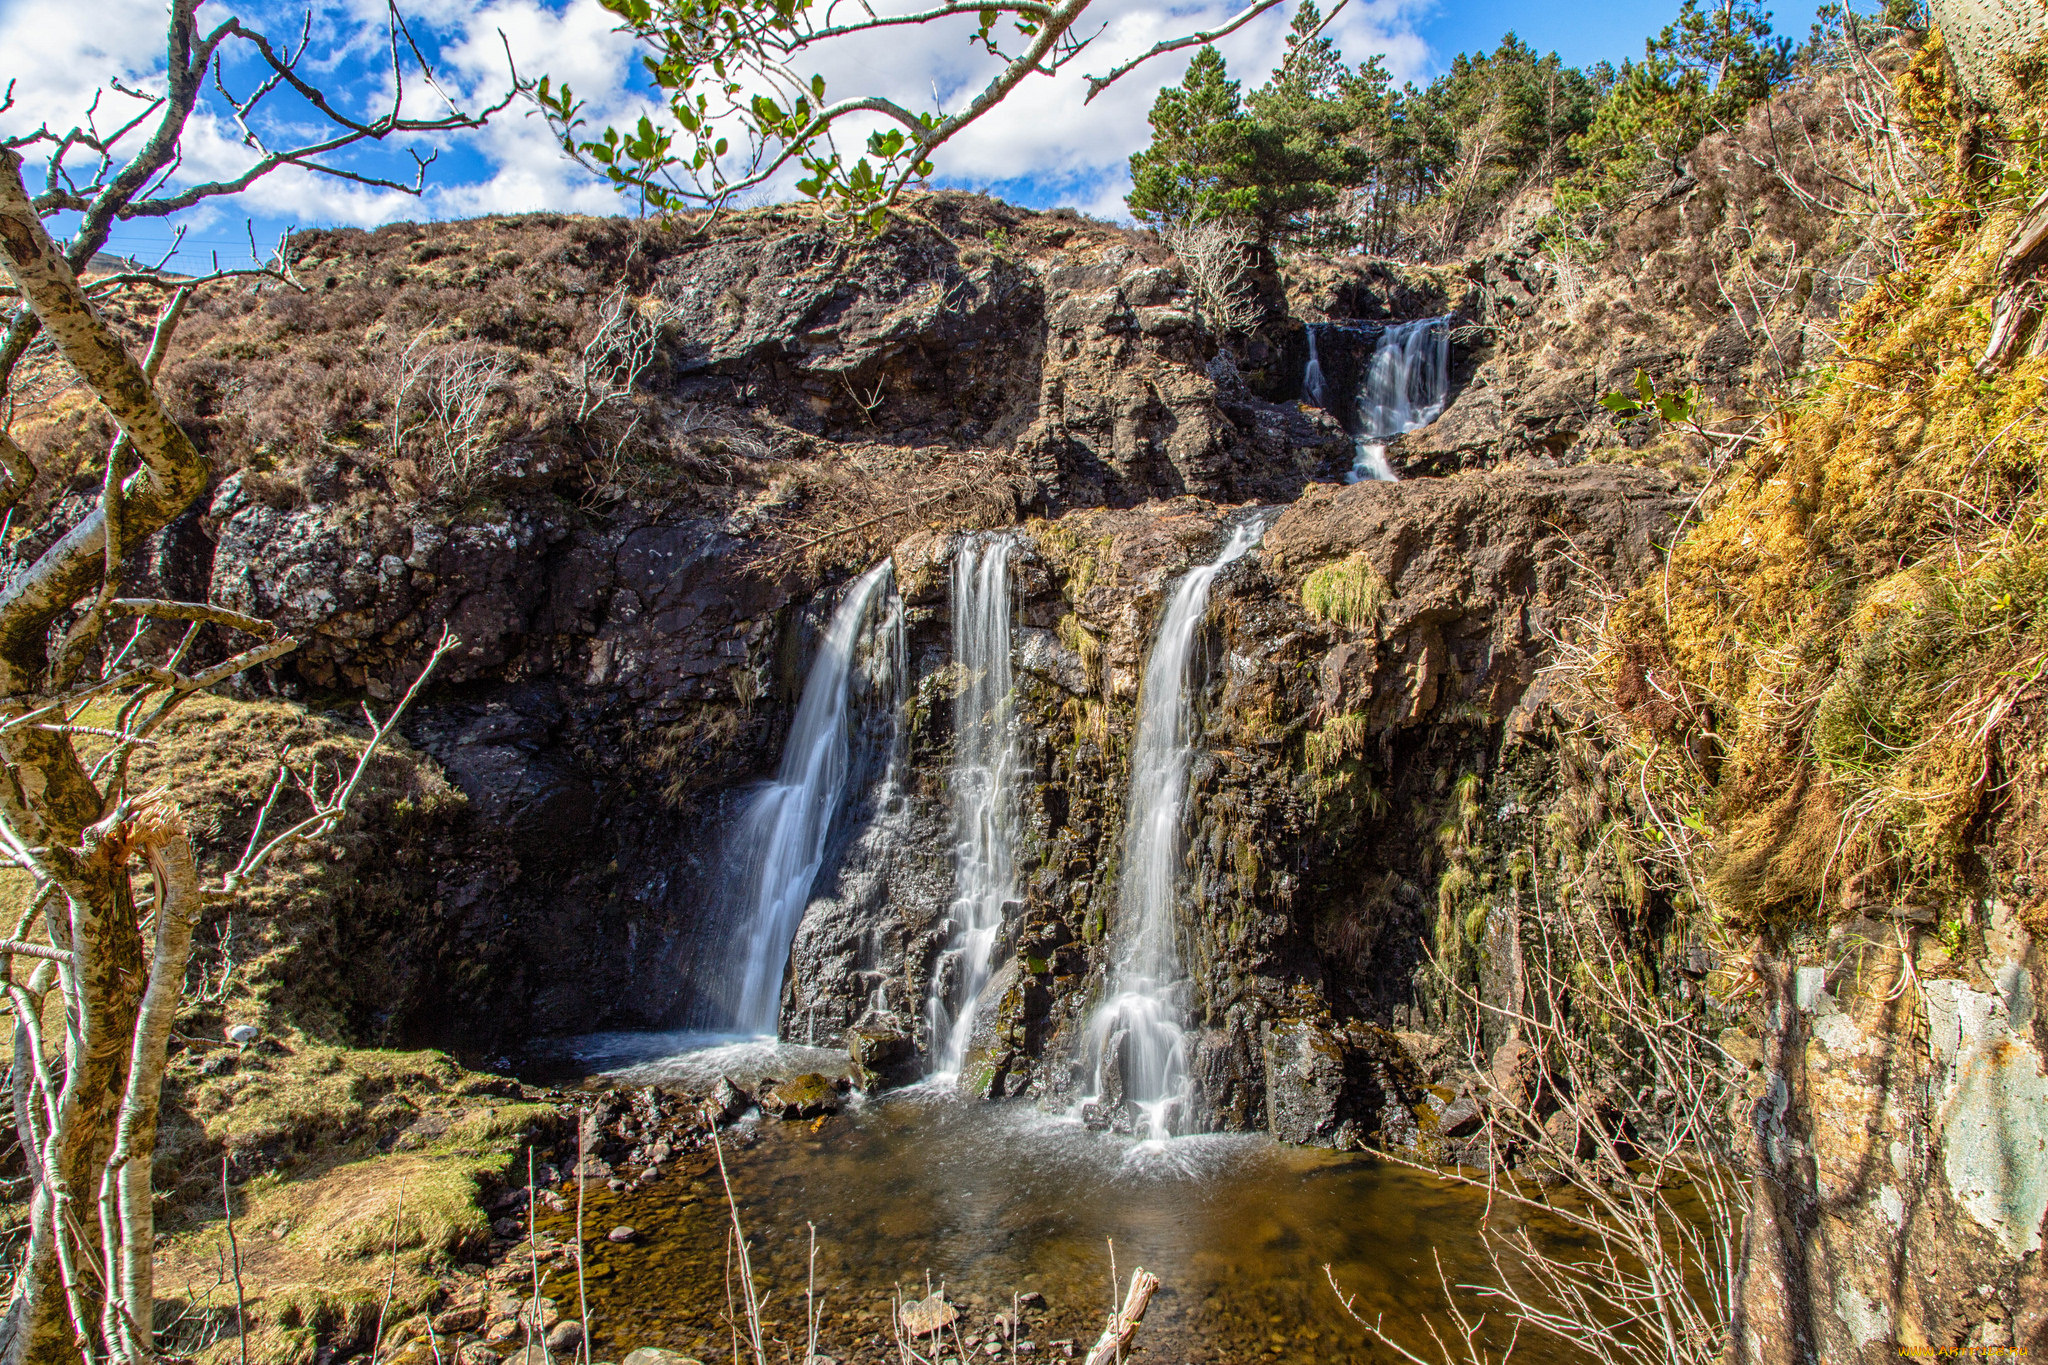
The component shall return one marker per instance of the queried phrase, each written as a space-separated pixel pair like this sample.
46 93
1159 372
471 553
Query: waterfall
1404 390
1406 383
781 839
1136 1035
983 781
1312 377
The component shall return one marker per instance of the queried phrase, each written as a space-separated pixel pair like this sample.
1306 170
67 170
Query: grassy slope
1836 681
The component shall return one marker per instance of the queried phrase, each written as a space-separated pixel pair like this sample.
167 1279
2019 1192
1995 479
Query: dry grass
320 1250
1823 691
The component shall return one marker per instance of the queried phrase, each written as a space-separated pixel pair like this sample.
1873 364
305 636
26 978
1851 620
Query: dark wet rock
881 1059
1461 1117
1305 1075
727 1102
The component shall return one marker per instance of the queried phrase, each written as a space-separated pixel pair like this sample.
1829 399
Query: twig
582 1297
227 1208
391 1283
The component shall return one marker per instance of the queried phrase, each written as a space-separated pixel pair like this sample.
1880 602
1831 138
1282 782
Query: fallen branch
1123 1324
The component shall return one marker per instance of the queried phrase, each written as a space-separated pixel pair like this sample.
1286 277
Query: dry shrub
845 509
1214 254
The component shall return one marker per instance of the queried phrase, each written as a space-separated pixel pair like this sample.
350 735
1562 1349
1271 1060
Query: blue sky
1042 148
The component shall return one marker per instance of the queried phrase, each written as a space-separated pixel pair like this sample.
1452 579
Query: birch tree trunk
1981 35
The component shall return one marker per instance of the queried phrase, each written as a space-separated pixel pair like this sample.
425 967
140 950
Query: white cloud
1044 133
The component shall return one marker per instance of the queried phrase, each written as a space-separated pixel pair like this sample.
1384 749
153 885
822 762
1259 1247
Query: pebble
1032 1299
506 1227
622 1233
617 1185
241 1035
566 1336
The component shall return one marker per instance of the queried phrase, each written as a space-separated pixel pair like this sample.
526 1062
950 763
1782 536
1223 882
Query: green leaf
1621 404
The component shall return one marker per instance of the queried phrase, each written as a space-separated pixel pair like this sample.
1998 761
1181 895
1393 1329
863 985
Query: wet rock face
626 667
1306 921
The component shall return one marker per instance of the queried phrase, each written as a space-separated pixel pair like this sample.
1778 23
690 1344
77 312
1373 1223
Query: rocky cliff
680 445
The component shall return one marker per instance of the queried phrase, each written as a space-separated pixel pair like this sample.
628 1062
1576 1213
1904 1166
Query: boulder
1305 1085
727 1102
881 1058
1459 1118
805 1097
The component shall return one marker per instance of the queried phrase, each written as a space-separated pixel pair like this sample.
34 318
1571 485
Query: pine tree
1200 163
1702 72
1280 160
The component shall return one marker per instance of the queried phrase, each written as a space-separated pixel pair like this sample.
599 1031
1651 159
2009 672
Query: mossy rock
806 1097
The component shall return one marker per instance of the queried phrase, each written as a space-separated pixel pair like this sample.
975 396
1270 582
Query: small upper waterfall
1403 387
781 840
1312 382
983 780
1136 1035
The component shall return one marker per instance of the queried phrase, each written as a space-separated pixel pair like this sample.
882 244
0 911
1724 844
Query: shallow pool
996 1199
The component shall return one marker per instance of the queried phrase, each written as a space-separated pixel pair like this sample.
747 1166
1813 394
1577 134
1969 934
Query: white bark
1981 36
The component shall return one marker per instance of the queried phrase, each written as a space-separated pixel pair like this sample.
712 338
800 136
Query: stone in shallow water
881 1058
728 1102
654 1355
622 1233
929 1315
806 1097
1460 1117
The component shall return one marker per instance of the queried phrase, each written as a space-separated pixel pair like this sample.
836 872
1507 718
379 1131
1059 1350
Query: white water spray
983 778
1136 1035
781 839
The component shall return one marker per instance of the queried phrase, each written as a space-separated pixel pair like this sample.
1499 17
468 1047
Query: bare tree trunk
51 804
1980 35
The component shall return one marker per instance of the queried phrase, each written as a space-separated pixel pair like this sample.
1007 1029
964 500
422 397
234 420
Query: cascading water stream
782 837
1312 377
983 779
1405 386
1136 1035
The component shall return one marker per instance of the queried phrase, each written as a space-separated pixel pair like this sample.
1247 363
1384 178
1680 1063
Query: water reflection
996 1199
